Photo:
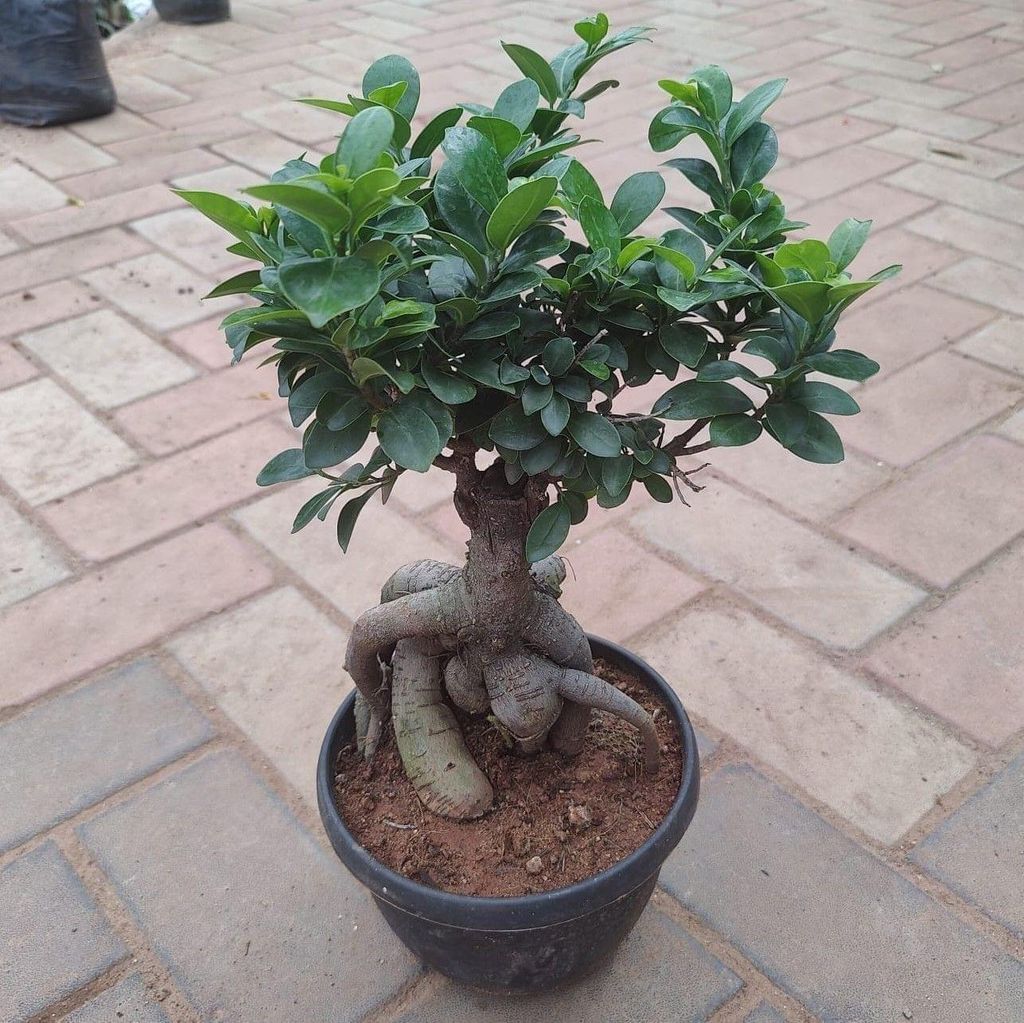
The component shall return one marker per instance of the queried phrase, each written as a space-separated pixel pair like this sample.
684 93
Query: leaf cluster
469 282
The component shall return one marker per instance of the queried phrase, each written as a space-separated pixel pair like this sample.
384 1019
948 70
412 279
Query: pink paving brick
202 408
139 506
85 623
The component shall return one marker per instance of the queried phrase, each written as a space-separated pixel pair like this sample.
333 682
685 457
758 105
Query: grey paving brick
126 1002
53 938
979 850
828 922
764 1013
72 751
660 973
255 919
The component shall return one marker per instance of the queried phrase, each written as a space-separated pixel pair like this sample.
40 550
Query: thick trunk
494 636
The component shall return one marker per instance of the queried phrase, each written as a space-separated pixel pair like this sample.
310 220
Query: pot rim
520 912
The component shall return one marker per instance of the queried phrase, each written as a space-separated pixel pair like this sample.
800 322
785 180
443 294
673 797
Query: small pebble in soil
580 816
534 865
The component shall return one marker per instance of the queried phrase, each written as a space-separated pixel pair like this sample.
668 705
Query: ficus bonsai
467 294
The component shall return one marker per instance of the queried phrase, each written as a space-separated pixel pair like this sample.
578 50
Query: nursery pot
193 12
525 943
52 69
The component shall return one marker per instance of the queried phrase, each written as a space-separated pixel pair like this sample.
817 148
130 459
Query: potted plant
465 296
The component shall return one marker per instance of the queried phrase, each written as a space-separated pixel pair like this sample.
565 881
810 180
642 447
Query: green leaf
409 436
447 388
235 217
555 415
753 155
809 255
806 434
595 434
715 89
288 465
518 103
749 109
592 30
734 430
577 183
673 124
303 400
685 342
364 139
542 457
364 369
388 71
535 67
636 199
513 429
548 532
819 396
536 396
502 134
433 134
493 325
518 210
324 288
847 240
700 174
843 363
240 284
698 399
659 488
326 211
616 473
323 448
401 220
558 355
311 508
600 227
476 166
349 513
808 299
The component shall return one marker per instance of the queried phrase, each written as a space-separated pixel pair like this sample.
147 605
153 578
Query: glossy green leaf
749 109
636 199
659 488
733 431
808 299
847 240
348 516
240 284
819 396
595 434
409 436
753 155
364 139
555 415
518 103
502 134
447 388
325 288
388 71
235 217
715 88
518 210
512 428
288 465
843 363
323 448
548 532
312 203
535 67
600 226
805 433
698 399
433 133
476 165
685 342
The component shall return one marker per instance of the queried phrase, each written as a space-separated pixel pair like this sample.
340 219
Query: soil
554 821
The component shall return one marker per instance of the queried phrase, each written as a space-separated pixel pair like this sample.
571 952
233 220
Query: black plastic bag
193 12
51 63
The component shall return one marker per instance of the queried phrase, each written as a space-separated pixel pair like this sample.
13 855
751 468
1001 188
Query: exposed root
436 761
592 691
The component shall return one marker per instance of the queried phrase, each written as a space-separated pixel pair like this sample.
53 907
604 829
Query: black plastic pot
532 942
193 12
51 63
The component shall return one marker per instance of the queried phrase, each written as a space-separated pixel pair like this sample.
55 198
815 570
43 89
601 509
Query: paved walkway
848 638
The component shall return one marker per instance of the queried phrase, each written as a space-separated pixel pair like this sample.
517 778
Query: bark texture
493 637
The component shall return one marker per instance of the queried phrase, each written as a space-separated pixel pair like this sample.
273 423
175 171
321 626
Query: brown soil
554 822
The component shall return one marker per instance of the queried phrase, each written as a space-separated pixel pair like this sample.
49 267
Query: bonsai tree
467 295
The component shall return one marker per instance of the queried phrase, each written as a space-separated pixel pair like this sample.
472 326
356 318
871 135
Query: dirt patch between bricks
554 822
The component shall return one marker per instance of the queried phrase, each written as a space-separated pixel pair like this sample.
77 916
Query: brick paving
851 647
